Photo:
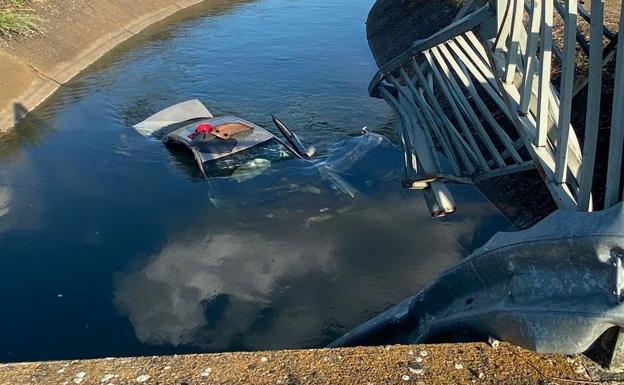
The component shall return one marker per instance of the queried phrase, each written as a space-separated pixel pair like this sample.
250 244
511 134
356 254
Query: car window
251 162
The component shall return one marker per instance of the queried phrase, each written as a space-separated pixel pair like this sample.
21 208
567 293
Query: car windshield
249 163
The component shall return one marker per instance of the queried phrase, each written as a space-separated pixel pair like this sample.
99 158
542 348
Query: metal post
543 96
617 125
593 106
567 88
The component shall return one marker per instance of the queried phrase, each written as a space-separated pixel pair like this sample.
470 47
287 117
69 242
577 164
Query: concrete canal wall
77 33
418 364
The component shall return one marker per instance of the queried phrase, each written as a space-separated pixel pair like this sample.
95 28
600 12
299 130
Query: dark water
110 245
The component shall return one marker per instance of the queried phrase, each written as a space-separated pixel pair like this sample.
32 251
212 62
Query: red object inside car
203 128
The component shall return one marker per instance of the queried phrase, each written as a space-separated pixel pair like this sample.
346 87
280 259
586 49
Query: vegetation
16 18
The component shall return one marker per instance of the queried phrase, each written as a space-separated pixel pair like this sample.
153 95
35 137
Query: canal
111 245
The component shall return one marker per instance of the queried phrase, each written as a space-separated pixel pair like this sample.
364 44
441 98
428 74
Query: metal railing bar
460 147
518 144
567 87
609 52
587 17
435 124
442 139
461 100
593 106
475 49
478 46
504 23
492 91
462 74
616 140
441 193
531 57
514 44
543 157
479 67
448 93
498 130
458 144
580 38
513 169
421 130
411 163
543 92
438 121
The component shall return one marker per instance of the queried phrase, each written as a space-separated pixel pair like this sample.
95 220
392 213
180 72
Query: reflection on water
111 245
210 291
275 284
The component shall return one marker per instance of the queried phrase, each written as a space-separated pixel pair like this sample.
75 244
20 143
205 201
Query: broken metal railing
443 90
474 106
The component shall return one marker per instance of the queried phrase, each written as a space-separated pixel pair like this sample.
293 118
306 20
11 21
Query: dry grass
16 18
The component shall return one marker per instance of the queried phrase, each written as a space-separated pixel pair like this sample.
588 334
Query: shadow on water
30 132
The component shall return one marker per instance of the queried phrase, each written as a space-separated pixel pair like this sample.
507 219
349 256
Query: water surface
110 245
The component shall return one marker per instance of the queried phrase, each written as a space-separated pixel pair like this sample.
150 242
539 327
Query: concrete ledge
77 34
419 364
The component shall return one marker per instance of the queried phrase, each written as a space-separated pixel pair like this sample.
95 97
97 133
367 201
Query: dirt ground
418 364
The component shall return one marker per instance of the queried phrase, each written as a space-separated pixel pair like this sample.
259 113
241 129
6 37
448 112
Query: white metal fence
475 104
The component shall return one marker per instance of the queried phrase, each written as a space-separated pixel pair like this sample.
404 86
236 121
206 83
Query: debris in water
493 342
318 219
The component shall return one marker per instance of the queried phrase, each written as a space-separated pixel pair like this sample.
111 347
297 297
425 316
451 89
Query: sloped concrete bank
418 364
77 33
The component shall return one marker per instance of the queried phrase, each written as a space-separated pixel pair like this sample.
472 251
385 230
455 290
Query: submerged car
232 147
